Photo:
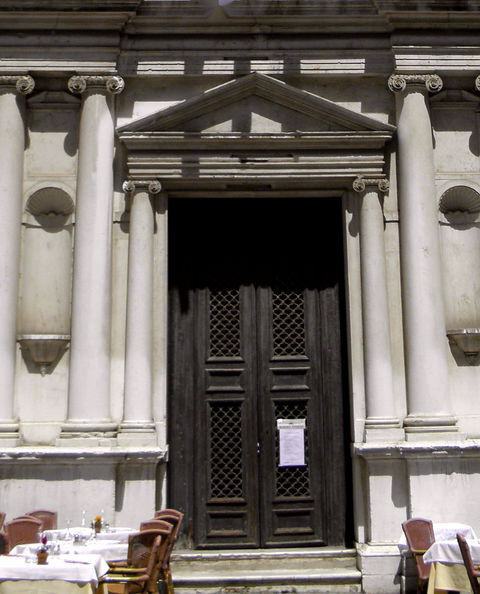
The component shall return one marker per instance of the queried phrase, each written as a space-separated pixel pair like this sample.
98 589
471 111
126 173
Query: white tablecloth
85 569
117 534
444 531
448 551
64 533
120 534
109 550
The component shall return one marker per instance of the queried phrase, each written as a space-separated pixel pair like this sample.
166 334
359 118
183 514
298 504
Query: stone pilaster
12 146
89 381
137 426
429 413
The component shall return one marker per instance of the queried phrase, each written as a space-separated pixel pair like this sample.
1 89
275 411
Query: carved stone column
429 414
12 146
89 381
381 422
137 425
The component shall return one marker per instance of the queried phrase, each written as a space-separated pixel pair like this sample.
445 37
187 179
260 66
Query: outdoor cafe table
443 531
109 550
447 570
62 575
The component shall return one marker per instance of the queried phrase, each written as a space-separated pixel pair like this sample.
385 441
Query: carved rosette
23 84
477 83
398 82
152 186
361 183
80 83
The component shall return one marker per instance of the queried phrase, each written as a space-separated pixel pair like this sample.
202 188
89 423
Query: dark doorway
256 341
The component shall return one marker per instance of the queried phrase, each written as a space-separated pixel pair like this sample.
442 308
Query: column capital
111 84
20 83
360 183
477 83
153 186
398 82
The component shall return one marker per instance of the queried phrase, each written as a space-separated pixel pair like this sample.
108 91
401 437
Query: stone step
272 571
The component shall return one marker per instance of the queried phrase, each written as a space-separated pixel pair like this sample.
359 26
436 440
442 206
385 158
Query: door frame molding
309 164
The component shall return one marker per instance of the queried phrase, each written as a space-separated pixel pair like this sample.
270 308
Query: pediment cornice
265 87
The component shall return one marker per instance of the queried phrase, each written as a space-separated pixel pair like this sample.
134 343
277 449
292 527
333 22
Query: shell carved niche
42 347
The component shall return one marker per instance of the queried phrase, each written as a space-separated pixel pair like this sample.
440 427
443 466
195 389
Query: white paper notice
292 442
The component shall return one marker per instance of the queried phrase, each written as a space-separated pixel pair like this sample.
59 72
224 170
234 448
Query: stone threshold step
279 589
248 578
253 554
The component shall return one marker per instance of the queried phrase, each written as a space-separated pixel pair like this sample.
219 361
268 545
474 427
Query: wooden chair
141 573
3 543
420 537
48 518
175 518
2 519
22 530
473 571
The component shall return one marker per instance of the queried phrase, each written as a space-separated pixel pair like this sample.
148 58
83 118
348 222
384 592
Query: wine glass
68 535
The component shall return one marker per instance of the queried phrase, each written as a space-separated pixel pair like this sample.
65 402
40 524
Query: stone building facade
218 217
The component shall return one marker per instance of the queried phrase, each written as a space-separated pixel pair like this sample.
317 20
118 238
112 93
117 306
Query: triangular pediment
256 103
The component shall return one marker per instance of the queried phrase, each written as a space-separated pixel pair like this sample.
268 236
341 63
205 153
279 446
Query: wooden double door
256 342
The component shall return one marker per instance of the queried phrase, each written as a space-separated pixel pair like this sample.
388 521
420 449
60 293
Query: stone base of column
137 433
9 435
91 433
431 428
383 429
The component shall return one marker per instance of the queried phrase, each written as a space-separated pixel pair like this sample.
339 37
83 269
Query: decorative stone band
153 186
112 84
361 183
398 82
23 83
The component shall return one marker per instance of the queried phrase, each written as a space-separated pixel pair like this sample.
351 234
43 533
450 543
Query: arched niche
459 206
47 262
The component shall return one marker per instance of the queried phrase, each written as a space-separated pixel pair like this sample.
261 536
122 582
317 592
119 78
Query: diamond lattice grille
288 320
225 323
226 461
291 481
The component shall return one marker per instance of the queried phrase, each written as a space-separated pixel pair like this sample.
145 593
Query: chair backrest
169 512
154 524
173 517
22 531
2 519
147 549
420 537
472 573
48 518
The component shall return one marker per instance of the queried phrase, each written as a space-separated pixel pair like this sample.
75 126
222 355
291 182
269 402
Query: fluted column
429 413
381 422
137 418
12 146
89 381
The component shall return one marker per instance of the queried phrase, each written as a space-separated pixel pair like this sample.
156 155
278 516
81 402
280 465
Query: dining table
65 574
447 570
78 558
